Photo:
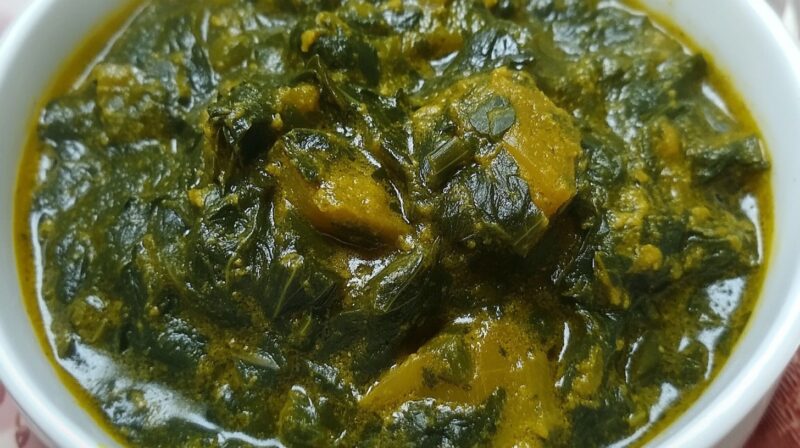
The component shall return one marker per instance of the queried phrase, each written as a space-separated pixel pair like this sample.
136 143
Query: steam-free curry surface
395 223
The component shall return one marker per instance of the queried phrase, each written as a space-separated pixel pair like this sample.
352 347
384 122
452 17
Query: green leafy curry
435 223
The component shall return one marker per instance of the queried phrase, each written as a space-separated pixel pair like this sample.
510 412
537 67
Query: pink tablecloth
13 430
780 427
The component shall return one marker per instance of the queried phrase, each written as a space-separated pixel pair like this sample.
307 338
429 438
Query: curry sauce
396 223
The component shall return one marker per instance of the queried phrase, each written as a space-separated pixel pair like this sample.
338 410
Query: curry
456 223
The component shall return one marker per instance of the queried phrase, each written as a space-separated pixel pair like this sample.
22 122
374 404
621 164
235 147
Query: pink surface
780 427
14 432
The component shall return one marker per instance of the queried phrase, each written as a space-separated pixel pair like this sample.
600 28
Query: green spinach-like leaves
493 117
491 207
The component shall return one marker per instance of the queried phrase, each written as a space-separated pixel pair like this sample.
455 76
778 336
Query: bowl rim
720 417
775 349
44 418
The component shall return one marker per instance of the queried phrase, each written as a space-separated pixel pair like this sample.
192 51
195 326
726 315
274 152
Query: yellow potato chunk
503 356
543 140
348 204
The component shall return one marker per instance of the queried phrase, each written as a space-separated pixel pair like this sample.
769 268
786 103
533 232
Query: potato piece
507 105
443 369
334 189
543 140
349 205
501 355
350 198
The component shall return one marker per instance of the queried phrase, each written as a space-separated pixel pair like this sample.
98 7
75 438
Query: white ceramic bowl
745 39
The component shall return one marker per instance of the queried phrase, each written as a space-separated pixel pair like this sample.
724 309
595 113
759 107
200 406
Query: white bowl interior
33 51
747 42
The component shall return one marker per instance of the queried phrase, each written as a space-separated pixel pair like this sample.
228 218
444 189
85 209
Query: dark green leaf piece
398 284
427 423
735 158
491 207
299 420
493 117
444 161
246 108
295 282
